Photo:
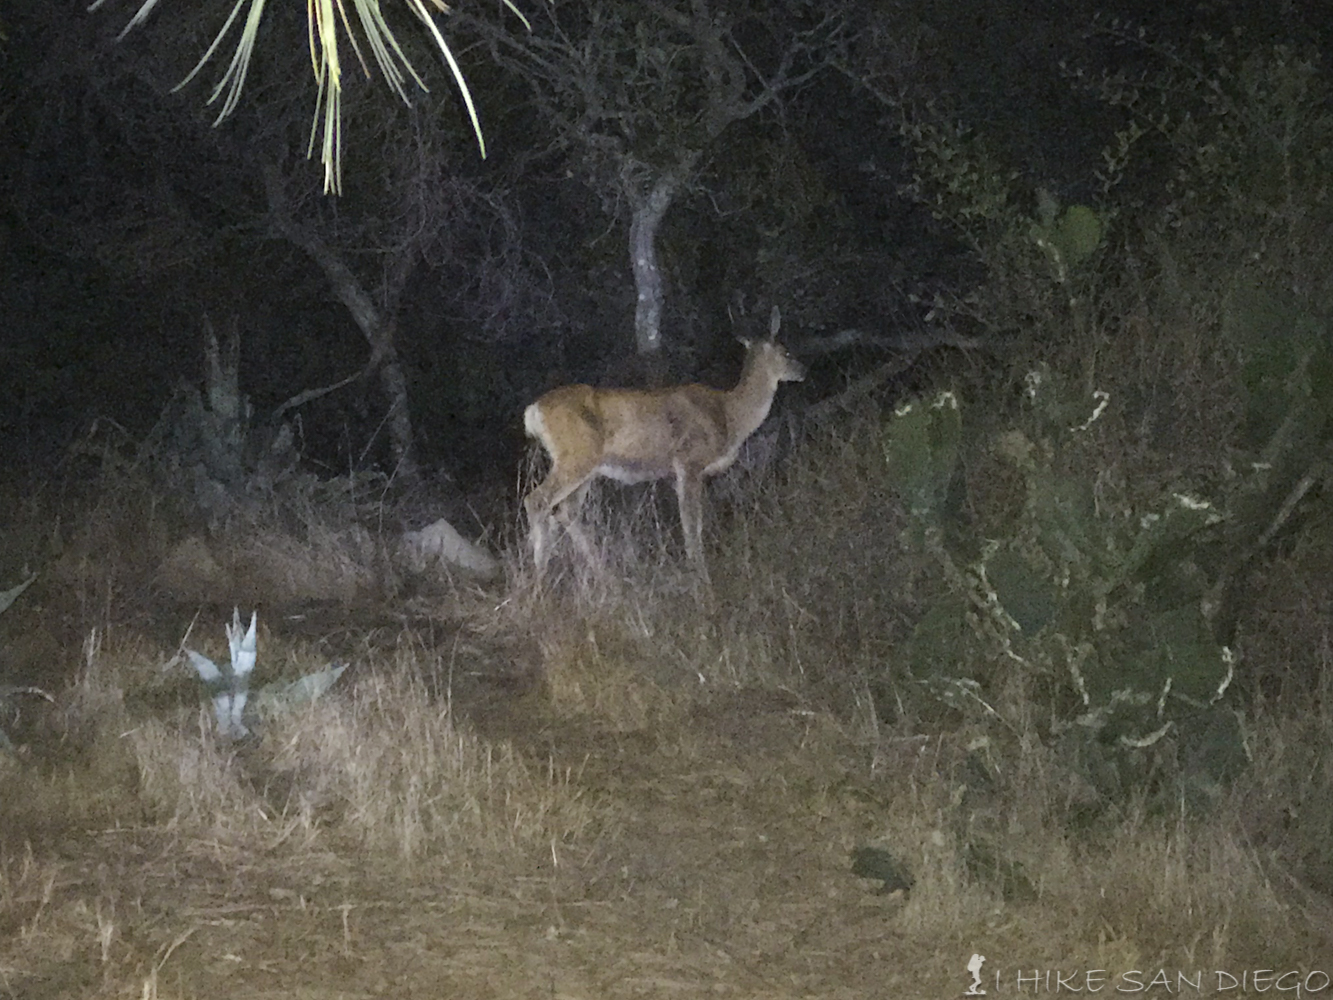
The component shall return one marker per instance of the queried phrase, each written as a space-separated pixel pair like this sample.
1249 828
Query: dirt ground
724 870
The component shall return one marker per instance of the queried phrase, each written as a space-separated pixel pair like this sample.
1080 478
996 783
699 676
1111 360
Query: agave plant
228 686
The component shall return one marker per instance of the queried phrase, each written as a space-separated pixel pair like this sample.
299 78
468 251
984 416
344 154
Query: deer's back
635 434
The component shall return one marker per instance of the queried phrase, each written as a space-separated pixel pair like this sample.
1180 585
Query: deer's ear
745 342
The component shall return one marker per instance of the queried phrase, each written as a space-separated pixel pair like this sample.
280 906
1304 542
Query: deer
684 432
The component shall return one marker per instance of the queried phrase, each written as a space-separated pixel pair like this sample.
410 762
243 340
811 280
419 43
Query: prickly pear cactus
1069 236
1110 611
921 446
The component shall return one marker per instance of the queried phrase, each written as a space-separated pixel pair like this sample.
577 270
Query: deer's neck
748 404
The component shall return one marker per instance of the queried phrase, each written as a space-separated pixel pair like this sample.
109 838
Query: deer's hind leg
556 502
689 497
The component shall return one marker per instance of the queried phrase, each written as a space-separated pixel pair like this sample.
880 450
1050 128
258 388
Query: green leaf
1028 597
921 449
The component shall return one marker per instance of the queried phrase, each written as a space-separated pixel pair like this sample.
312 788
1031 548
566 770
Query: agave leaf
206 669
244 651
284 697
228 709
8 597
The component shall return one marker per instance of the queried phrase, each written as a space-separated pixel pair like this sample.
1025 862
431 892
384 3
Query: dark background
126 216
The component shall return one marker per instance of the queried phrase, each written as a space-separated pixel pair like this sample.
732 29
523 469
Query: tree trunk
376 325
393 380
378 330
649 210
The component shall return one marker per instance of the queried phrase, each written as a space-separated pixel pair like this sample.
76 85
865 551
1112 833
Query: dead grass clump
188 780
1136 892
73 771
628 630
634 658
1183 894
818 564
303 541
388 766
126 534
1284 804
109 539
34 921
606 672
330 564
625 541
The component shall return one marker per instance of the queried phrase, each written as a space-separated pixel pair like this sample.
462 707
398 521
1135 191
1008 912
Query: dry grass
392 770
